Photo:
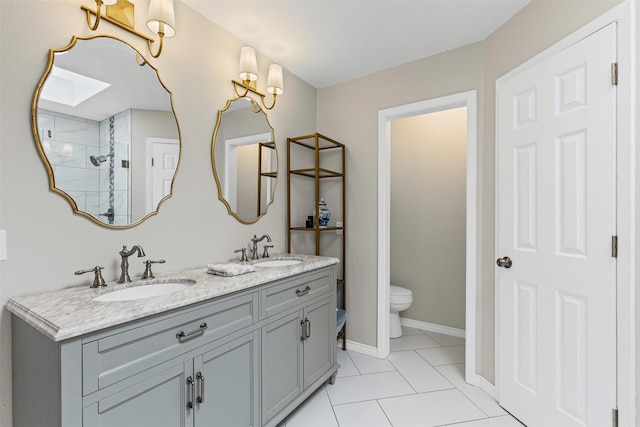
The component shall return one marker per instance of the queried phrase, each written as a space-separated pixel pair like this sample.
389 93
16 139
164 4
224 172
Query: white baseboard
432 327
360 348
486 386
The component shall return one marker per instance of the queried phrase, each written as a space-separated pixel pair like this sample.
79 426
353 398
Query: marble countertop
72 312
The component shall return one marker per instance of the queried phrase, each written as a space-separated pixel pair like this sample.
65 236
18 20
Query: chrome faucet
255 240
124 263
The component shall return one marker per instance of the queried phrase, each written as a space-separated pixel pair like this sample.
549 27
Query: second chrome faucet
124 261
255 240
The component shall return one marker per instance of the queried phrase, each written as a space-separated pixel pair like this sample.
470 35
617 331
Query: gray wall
428 212
46 242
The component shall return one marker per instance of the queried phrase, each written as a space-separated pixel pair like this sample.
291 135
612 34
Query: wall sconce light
161 21
249 76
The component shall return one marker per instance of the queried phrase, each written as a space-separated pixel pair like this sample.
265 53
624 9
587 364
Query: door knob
504 262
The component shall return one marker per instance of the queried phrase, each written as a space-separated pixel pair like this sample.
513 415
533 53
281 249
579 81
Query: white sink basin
145 291
278 263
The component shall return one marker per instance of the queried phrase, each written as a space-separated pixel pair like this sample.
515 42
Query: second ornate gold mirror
245 159
106 130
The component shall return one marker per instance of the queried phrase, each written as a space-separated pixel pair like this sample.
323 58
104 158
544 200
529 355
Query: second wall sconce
249 76
161 21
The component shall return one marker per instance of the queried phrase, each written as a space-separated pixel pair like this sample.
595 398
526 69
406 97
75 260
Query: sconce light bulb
162 17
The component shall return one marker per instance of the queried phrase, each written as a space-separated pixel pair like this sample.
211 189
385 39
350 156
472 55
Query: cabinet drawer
109 358
291 293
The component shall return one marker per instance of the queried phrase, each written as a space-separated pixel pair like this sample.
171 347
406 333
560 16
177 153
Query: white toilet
401 299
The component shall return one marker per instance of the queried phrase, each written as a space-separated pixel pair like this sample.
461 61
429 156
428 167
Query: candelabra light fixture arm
97 13
160 43
242 89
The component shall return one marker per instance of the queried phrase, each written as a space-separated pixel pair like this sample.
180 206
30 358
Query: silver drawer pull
181 335
303 292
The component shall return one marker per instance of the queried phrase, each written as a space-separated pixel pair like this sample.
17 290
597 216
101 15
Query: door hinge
614 73
614 246
614 417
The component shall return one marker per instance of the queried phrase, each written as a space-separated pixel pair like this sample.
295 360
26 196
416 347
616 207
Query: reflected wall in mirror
245 159
105 128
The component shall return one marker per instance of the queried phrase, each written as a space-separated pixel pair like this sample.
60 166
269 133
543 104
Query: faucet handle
265 254
243 257
98 281
148 274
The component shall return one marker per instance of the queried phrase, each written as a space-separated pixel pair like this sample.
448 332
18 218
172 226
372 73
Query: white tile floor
420 384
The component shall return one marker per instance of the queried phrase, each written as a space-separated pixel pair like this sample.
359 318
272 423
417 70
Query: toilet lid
399 291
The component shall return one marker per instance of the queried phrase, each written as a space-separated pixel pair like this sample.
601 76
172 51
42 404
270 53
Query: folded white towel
231 269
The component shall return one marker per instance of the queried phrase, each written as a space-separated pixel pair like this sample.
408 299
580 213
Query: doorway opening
385 117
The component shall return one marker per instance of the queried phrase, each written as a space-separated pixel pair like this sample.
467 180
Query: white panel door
165 162
556 306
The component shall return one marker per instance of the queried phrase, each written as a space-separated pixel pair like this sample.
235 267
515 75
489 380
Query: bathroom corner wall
348 112
46 242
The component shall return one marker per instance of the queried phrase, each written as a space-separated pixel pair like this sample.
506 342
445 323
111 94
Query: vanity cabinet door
281 363
158 401
227 384
319 345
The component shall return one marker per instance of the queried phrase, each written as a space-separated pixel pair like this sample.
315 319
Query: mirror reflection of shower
97 160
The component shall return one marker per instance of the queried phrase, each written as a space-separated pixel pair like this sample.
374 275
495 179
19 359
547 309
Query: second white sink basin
145 291
278 263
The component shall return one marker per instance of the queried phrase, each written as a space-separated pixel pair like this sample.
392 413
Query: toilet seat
400 295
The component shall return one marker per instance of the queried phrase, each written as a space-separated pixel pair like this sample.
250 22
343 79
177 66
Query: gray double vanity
183 349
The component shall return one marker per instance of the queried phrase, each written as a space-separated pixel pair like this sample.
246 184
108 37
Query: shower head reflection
97 160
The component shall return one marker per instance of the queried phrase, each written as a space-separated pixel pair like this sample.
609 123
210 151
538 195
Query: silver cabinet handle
504 262
192 385
303 326
200 378
182 335
303 292
308 327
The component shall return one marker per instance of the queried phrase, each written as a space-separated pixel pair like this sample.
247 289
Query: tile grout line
400 373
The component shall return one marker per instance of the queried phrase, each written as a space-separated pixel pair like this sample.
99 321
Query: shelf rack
319 144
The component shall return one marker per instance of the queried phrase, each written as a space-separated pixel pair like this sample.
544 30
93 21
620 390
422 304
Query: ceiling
326 42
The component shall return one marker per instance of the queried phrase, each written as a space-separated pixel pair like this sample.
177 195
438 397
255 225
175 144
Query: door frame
231 146
385 117
624 16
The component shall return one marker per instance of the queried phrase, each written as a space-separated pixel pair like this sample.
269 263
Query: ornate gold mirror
105 128
245 159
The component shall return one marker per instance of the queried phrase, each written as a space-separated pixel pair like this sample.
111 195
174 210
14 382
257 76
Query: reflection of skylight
69 88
